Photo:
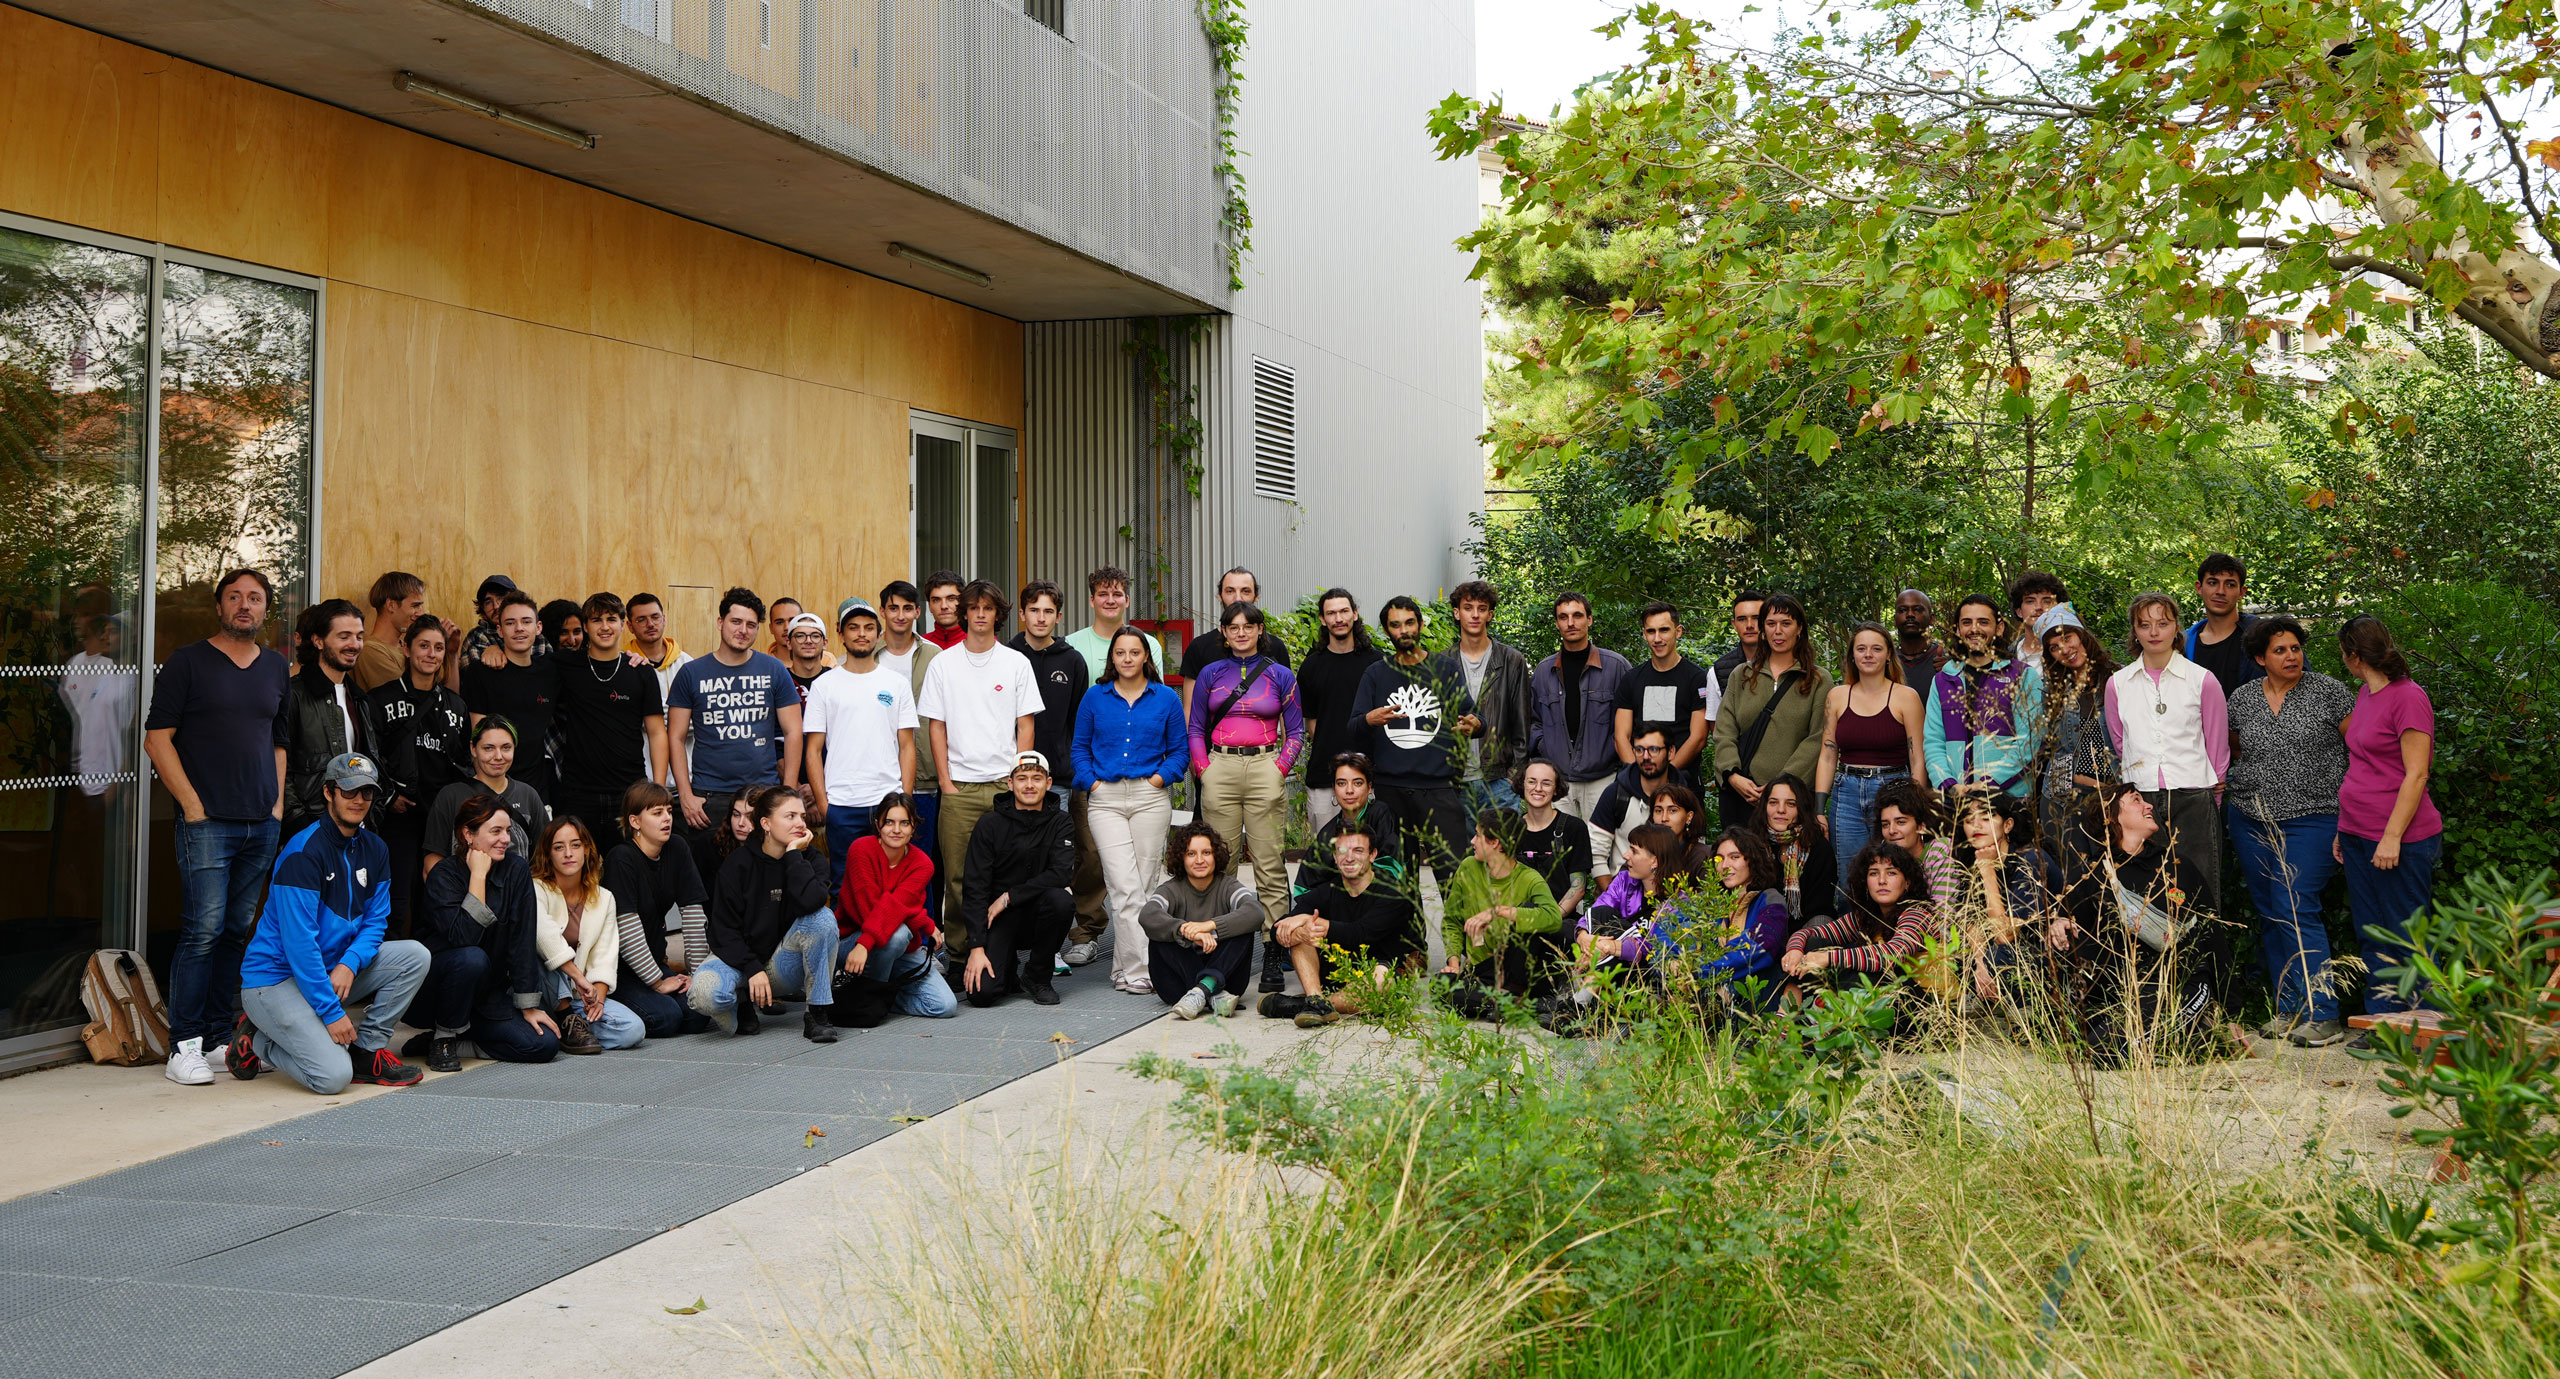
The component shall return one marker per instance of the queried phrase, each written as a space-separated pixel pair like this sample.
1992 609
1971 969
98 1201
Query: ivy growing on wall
1173 413
1223 22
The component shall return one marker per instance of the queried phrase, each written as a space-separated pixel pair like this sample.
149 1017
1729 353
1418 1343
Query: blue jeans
928 805
662 1016
805 963
1490 794
292 1040
222 875
1853 817
617 1028
910 979
2287 865
845 822
2381 902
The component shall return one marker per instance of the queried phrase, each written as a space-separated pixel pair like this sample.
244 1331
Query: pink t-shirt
2374 771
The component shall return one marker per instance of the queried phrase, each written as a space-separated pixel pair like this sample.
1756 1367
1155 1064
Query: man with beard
1980 728
324 711
1416 716
1628 802
1921 654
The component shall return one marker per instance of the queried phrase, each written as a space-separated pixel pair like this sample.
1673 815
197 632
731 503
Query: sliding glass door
157 426
965 516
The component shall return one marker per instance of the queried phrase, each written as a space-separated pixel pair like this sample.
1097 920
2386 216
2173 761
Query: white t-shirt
977 697
861 715
666 681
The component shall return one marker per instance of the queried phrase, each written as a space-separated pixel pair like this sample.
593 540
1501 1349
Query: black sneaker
748 1020
383 1068
418 1045
1281 1006
816 1027
1042 993
1318 1013
244 1049
444 1055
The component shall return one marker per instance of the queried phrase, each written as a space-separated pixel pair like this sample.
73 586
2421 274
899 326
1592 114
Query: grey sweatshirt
1232 907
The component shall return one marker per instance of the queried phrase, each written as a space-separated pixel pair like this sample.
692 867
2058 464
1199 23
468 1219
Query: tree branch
2525 352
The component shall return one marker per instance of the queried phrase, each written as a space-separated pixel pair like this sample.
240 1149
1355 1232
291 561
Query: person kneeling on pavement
1345 934
320 944
1200 926
1013 893
771 930
486 981
887 933
576 930
1494 905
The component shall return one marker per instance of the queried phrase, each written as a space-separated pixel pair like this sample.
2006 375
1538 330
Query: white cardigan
599 935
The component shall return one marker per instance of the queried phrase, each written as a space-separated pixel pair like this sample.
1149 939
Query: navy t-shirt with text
736 719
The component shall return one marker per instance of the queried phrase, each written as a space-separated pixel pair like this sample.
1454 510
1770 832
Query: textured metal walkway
312 1246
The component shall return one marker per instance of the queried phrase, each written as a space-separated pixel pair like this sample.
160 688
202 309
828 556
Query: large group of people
558 832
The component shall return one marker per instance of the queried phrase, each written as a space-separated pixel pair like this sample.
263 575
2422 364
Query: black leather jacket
315 734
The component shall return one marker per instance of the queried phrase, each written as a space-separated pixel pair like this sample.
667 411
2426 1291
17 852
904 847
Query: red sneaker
383 1067
243 1057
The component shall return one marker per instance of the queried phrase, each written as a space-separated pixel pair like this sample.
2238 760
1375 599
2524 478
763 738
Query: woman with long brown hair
1770 723
485 983
2073 755
2388 830
578 934
1871 729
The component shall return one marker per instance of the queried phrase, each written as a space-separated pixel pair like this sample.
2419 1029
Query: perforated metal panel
1101 141
210 1333
269 1171
409 1258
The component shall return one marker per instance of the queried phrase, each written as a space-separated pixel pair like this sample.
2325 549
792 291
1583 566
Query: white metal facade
1354 287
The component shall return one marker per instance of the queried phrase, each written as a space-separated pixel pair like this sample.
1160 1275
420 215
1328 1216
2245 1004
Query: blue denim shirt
1117 740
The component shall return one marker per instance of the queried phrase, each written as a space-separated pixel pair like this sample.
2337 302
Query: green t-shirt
1093 649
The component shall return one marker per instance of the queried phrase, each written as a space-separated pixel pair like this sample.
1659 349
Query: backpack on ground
128 1024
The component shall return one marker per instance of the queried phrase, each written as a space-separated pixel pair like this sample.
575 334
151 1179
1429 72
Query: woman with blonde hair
580 939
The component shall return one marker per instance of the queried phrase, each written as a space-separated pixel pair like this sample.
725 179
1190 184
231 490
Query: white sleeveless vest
2164 726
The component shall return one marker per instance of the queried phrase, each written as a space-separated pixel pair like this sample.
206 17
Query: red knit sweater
876 898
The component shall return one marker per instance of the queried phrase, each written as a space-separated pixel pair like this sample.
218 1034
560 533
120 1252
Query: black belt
1245 751
1846 769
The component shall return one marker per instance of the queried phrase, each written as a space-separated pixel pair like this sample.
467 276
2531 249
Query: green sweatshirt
1474 890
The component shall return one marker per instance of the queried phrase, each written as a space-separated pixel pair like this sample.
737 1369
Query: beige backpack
128 1025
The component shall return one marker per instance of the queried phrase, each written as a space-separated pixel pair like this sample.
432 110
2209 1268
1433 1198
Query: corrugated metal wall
1099 491
1093 140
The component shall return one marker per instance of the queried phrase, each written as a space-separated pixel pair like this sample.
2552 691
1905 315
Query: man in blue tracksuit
320 944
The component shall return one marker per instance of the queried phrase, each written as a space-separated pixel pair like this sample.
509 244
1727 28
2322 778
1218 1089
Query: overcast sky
1535 52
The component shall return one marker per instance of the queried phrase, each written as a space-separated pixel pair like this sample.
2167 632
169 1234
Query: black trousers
1031 931
1431 822
705 841
405 830
602 814
1176 967
2194 822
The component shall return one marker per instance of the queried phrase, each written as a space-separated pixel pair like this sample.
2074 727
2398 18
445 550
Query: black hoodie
758 898
1063 677
1018 851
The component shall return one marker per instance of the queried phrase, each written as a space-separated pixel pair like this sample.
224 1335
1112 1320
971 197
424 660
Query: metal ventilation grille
1275 430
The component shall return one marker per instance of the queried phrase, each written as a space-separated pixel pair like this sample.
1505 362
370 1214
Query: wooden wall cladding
522 374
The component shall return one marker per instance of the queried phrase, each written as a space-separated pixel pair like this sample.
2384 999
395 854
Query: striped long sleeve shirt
1913 928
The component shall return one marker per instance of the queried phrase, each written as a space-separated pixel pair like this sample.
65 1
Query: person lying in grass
1887 931
1342 934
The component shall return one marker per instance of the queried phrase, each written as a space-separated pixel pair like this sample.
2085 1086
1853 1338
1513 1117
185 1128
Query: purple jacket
1986 734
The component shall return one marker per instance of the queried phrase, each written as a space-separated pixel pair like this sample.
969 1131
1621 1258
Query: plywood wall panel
79 126
244 171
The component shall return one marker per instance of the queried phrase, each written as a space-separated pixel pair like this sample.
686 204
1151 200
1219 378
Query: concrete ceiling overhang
662 147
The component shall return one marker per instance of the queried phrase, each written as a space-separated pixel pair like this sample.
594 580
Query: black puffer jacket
1020 852
758 898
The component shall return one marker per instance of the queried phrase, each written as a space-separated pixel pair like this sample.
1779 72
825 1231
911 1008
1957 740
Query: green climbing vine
1173 412
1223 22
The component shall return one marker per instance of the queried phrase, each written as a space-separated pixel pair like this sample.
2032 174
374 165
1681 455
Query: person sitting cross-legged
1494 904
576 930
887 934
1199 925
320 943
772 934
1358 909
1013 897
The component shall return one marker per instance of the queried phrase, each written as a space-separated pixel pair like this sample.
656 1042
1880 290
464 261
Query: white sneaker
1140 986
1224 1003
1078 954
1193 1005
218 1057
187 1067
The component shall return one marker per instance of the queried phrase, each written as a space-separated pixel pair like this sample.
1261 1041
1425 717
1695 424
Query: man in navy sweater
320 944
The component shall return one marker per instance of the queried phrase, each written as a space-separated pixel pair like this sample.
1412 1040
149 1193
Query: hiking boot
2284 1023
243 1053
817 1025
1281 1006
444 1055
2320 1034
1193 1005
576 1035
749 1021
187 1067
1224 1004
1079 954
382 1067
1275 965
1319 1013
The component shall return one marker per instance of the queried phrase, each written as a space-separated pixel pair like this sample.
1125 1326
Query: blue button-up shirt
1117 740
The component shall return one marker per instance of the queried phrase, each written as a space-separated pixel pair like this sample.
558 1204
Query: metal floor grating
317 1244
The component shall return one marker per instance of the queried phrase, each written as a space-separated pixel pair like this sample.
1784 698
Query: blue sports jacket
328 904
